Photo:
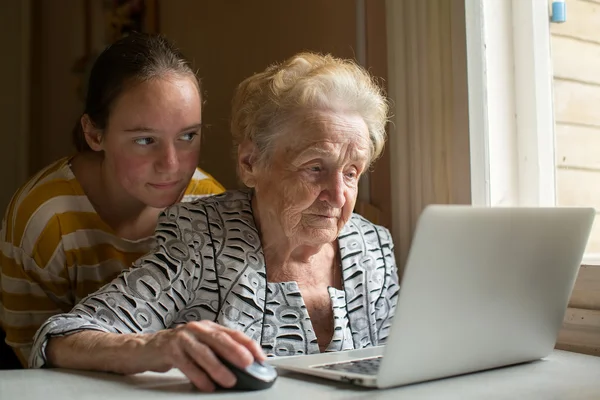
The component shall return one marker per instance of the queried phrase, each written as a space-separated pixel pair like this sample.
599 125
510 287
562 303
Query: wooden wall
581 327
14 96
576 60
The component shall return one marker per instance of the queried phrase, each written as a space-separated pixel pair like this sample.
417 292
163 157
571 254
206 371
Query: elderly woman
281 268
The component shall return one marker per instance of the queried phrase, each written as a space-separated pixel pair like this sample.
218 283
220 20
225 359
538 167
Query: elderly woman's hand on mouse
195 348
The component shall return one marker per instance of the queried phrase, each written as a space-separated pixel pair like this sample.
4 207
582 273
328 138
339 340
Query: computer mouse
256 376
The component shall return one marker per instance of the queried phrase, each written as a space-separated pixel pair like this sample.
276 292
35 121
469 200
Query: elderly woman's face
310 188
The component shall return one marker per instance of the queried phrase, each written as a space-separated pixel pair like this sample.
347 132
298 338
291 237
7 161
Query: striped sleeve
33 276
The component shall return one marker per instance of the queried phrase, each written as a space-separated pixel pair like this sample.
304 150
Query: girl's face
152 140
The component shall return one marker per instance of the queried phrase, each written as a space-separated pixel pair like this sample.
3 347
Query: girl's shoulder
52 191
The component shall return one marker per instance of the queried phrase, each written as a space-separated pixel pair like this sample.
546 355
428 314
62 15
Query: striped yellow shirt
55 250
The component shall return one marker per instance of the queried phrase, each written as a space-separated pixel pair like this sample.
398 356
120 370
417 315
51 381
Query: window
510 103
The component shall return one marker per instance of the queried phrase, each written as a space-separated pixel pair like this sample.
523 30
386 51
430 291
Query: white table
562 376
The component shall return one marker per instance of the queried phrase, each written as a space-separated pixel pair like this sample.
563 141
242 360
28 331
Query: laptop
482 288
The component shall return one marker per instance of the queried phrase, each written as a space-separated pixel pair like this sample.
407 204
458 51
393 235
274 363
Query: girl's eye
188 137
144 141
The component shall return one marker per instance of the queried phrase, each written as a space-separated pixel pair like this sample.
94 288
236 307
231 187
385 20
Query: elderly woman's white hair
265 103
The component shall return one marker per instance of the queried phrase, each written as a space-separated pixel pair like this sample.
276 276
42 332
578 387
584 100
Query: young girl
80 221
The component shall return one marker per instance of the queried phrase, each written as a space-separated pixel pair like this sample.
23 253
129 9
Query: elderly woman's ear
247 163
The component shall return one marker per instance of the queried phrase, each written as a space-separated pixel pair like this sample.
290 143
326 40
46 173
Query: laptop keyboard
366 366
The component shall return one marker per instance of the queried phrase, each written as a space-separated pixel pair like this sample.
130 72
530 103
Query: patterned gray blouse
209 265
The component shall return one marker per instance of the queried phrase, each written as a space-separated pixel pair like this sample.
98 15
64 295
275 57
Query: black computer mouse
256 376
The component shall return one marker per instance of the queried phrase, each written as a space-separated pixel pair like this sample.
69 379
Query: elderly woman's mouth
322 219
323 214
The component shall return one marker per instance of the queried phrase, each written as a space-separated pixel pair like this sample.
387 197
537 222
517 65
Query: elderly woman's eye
144 141
315 168
351 174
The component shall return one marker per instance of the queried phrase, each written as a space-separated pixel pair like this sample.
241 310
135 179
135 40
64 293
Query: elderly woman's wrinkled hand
194 348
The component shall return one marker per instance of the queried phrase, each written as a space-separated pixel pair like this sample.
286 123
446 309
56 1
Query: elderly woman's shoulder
231 199
359 223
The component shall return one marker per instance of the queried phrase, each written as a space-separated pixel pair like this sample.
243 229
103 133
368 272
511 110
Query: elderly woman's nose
168 159
333 192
